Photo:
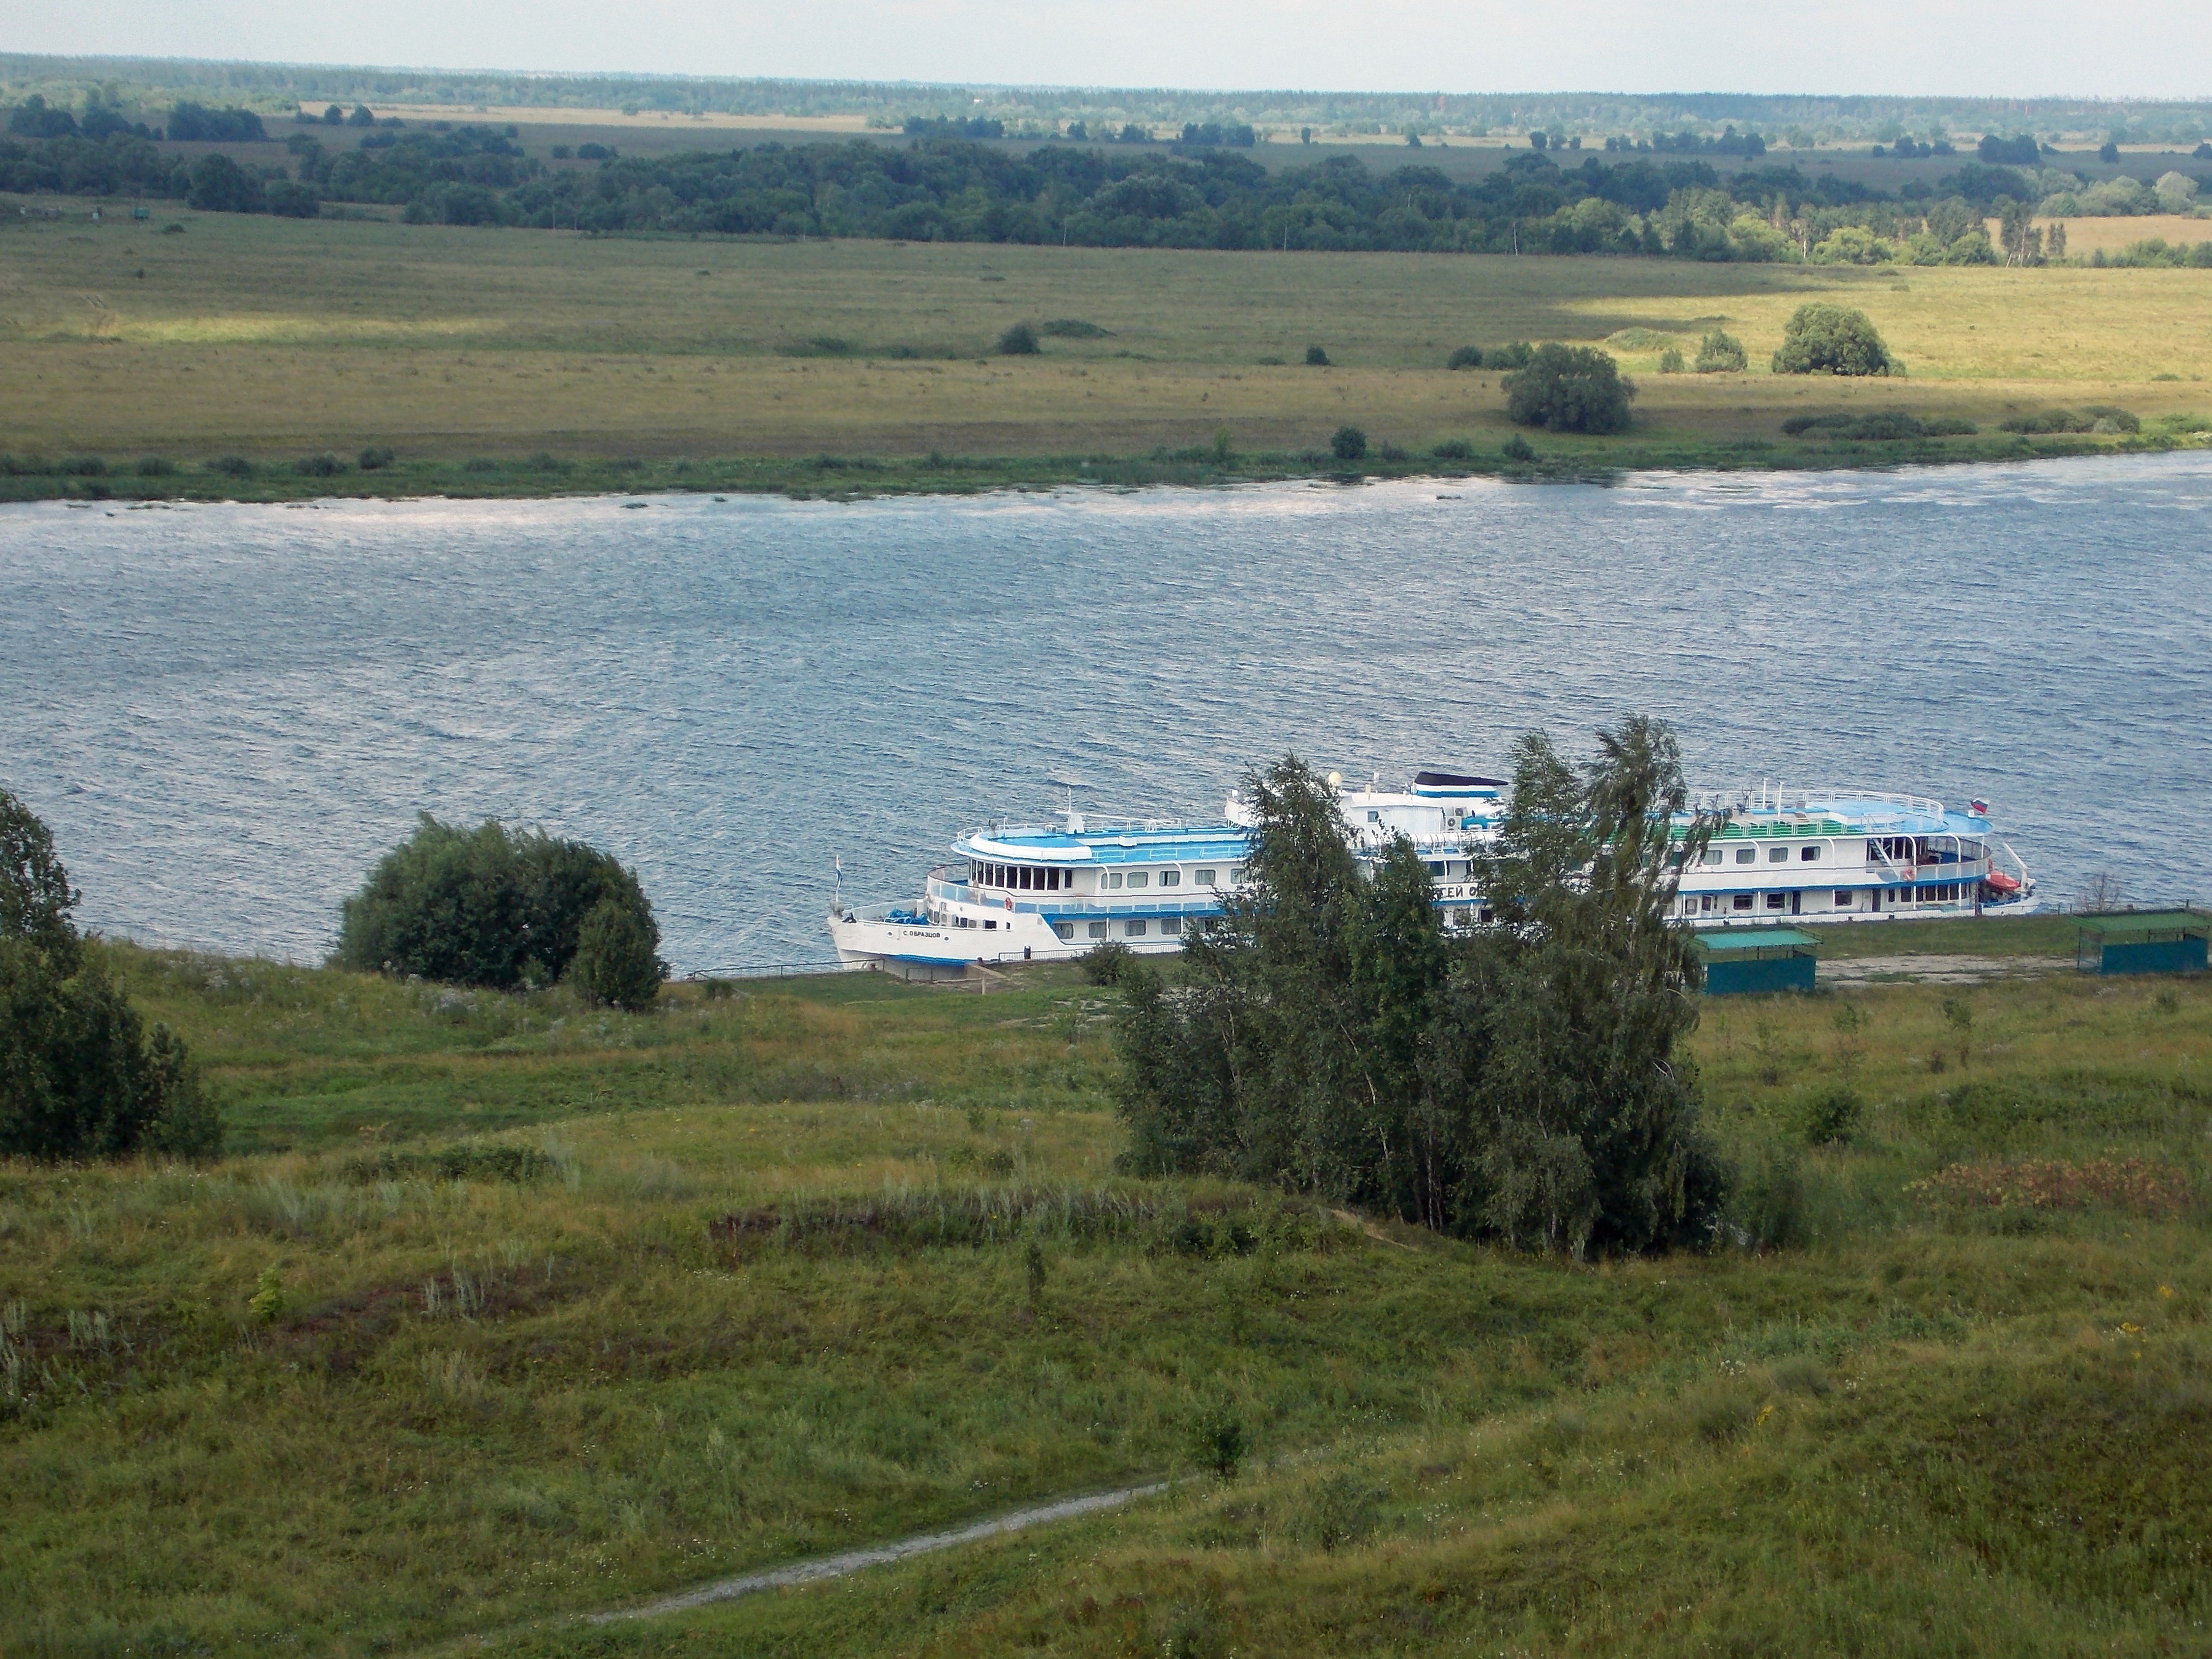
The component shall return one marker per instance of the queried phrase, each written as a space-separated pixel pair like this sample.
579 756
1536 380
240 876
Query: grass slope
574 1307
556 363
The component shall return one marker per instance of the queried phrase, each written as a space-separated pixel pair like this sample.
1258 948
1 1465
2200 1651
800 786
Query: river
227 711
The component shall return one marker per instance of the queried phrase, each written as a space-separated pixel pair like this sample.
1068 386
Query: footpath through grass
558 1309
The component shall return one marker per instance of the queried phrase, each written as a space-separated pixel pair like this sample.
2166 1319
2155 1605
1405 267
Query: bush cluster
2097 418
1830 340
503 908
1883 426
1517 1082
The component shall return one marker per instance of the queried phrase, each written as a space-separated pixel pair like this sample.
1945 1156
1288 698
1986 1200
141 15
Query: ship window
990 924
1236 874
1094 929
1065 929
1136 929
1024 876
1778 855
1171 924
1204 878
1844 900
1712 855
1170 877
1437 867
1137 878
1689 906
1776 901
1113 879
1746 856
1374 818
1809 855
1743 901
1706 904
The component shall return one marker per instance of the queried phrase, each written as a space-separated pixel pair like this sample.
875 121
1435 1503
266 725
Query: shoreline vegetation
839 478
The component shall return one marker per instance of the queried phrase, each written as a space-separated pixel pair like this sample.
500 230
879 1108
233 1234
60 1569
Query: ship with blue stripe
1052 891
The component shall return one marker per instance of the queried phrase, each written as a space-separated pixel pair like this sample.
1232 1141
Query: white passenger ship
1054 890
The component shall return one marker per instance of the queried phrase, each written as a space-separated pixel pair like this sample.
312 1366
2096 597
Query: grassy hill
559 1307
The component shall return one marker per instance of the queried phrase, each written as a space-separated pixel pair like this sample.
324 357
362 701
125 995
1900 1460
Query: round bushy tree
1349 443
1019 341
1829 339
617 956
480 907
1569 389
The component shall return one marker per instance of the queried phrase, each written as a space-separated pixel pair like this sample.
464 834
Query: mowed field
268 338
560 1309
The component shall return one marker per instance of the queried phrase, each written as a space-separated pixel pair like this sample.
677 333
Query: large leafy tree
1569 389
1520 1083
1829 339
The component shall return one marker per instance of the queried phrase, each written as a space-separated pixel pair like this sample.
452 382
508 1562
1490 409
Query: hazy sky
2132 48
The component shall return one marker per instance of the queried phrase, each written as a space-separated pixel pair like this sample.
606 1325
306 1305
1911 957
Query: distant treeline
188 123
274 88
1197 196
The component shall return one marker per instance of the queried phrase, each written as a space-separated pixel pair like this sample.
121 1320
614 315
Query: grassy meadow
502 1310
516 362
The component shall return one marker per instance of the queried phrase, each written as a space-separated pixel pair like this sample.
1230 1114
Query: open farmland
572 1308
270 339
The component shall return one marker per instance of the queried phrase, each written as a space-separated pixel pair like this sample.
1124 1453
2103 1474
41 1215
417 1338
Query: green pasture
503 1310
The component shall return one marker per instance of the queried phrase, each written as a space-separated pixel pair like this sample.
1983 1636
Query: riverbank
504 1311
1551 459
135 357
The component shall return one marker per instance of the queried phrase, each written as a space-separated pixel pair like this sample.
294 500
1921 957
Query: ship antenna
837 865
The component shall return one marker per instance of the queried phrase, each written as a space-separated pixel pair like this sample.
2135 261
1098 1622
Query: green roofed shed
1740 960
2144 942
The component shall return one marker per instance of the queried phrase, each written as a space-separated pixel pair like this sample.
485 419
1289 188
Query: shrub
318 466
1390 452
1719 352
1832 1116
1216 1439
1338 1509
1454 449
82 467
1316 357
1348 443
1670 361
1073 328
266 1304
618 957
595 152
289 200
1465 357
374 458
2097 418
479 464
79 1077
483 907
1517 449
1767 1211
1830 340
1019 341
232 466
1105 962
1569 389
1884 426
1516 356
155 466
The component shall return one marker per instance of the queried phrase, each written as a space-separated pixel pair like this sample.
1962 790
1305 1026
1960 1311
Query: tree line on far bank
81 1077
1202 195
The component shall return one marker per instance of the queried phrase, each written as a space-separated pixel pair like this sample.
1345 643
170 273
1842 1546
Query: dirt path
1938 969
835 1566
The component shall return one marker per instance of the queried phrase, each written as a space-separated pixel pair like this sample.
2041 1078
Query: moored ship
1039 892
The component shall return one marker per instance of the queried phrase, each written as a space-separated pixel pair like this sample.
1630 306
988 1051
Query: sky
2026 48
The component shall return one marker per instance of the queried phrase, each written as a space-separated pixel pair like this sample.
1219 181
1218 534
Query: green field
518 361
576 1306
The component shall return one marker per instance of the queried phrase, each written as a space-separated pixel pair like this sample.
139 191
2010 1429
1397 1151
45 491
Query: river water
227 711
